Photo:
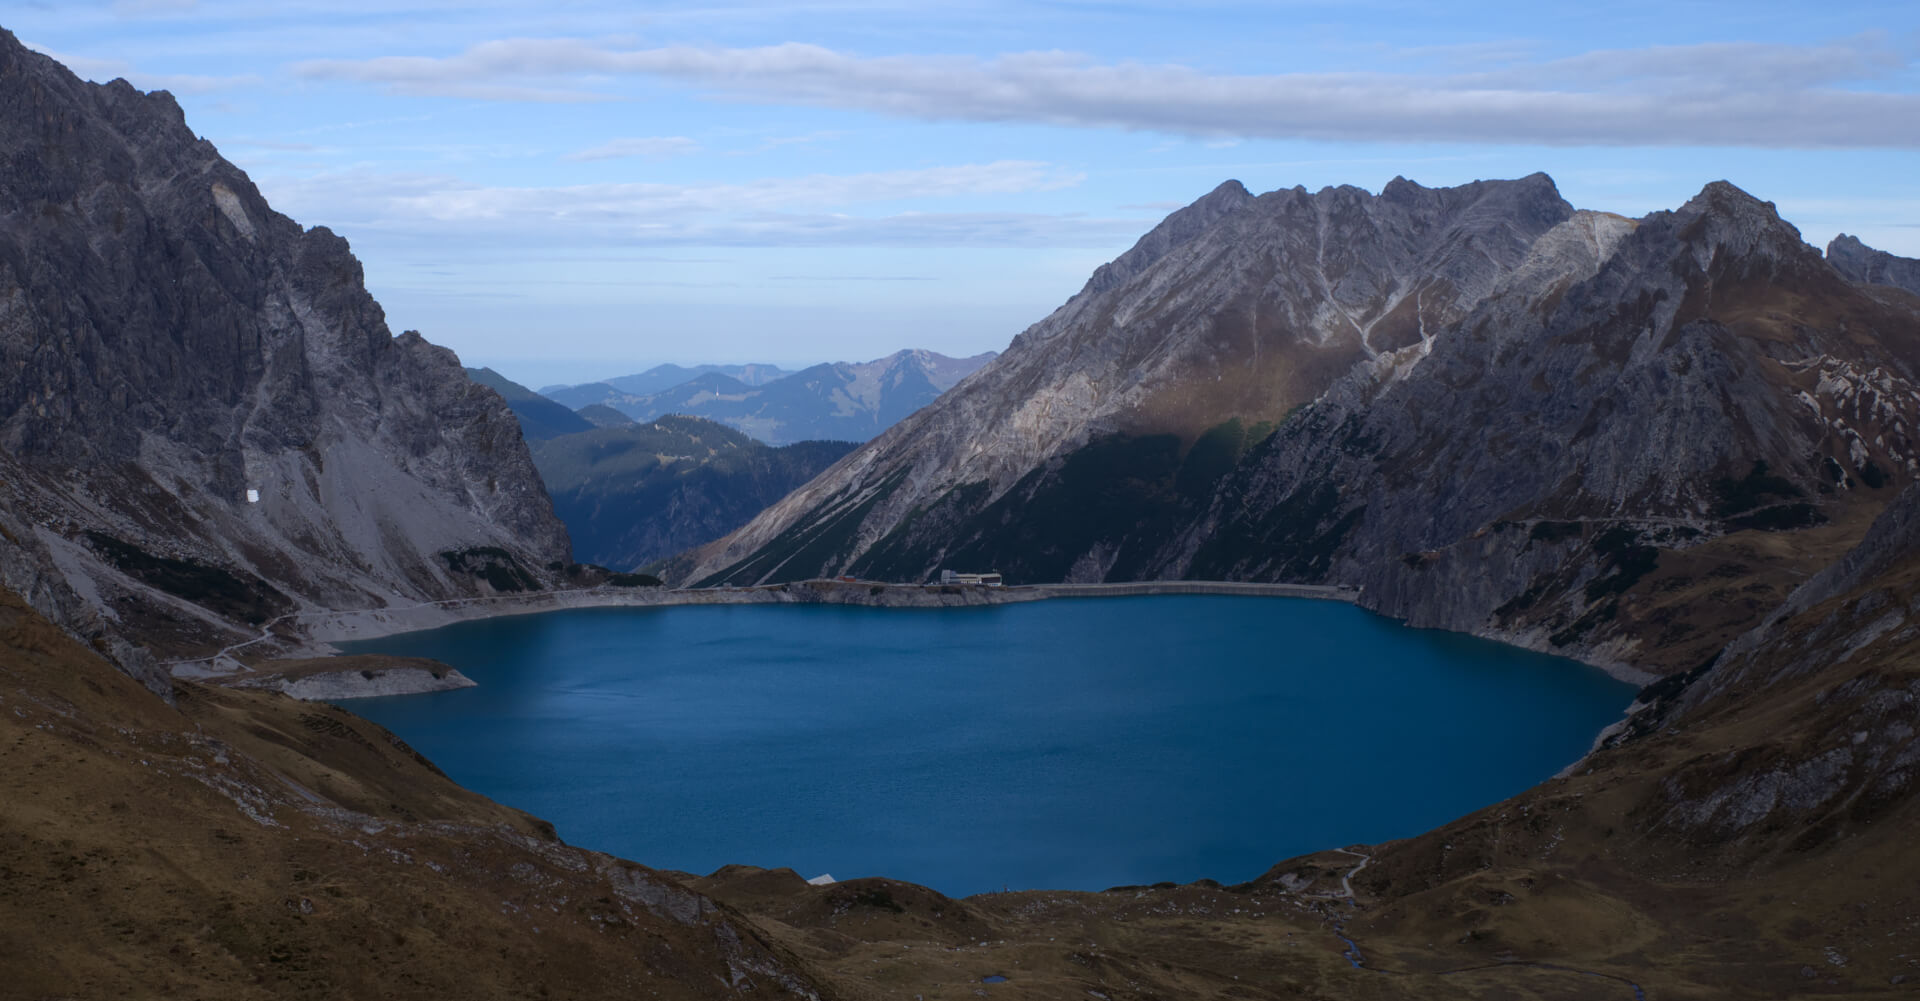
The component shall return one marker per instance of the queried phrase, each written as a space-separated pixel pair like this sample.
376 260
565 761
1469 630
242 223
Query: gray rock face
1604 388
204 420
1622 391
1494 413
1235 306
1861 263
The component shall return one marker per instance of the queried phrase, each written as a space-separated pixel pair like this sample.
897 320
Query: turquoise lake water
1068 744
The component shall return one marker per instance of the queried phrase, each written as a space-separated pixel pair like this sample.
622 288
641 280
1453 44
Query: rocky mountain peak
206 422
1175 230
1234 308
1725 217
1861 263
1535 193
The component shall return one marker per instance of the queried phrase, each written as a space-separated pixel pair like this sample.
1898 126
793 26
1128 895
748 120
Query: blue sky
573 190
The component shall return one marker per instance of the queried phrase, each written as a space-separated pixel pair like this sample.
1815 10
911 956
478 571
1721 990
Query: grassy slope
129 864
243 845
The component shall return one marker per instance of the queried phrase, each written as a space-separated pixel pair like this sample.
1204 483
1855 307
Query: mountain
602 416
660 377
1234 307
838 401
1491 412
1681 446
540 418
1861 263
635 493
205 422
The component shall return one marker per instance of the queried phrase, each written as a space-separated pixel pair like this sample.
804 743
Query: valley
1681 448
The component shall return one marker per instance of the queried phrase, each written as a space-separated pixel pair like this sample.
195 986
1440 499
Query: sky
567 191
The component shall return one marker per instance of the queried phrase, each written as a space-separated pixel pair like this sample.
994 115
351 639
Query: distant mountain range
635 493
839 401
632 492
661 377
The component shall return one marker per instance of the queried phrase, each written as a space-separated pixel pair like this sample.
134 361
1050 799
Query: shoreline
317 632
323 629
326 628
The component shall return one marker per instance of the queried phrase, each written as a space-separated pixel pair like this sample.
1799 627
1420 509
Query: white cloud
811 210
647 148
641 203
103 70
1723 94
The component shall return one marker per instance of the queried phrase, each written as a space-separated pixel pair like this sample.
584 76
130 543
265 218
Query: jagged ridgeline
205 422
1492 411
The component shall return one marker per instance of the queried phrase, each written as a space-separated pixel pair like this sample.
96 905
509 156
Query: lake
1066 744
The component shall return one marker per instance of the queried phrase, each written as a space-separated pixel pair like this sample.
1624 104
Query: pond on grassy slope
1067 744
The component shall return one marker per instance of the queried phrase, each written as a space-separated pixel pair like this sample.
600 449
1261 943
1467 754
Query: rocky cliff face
204 420
1642 396
1494 413
1861 263
1234 307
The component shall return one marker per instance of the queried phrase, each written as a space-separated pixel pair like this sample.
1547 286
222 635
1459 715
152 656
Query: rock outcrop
1861 263
204 420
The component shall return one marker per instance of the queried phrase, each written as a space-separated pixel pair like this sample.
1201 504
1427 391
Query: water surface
1072 744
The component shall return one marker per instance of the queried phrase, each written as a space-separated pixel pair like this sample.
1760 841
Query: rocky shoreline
359 676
